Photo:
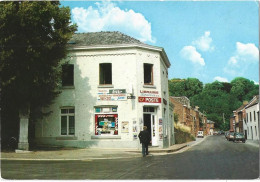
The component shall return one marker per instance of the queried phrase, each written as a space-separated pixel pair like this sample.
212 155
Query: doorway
147 123
150 122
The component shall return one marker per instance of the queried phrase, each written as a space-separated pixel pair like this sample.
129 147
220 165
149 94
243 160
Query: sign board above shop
111 95
149 99
149 93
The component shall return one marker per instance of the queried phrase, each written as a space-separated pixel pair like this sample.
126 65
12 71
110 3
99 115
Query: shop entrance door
149 121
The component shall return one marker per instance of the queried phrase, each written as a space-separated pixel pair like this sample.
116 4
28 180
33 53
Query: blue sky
203 39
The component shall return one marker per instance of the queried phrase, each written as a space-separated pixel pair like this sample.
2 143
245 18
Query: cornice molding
98 55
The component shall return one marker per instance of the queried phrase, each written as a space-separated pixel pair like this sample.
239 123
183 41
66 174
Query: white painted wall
127 71
252 125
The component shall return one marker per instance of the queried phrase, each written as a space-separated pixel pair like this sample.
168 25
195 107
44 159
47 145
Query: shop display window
106 124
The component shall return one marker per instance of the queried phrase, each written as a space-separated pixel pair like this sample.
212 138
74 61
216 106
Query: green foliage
185 87
217 97
182 136
176 117
243 88
33 39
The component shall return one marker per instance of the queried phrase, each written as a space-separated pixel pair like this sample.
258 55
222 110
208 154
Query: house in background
112 86
251 124
187 115
239 116
203 121
210 127
232 123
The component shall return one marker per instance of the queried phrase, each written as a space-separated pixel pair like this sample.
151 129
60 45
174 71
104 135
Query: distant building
232 123
239 116
251 124
210 127
187 115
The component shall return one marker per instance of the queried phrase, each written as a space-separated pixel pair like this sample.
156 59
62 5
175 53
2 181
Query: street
214 158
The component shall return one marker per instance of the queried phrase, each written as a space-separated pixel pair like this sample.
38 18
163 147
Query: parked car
226 134
230 136
239 137
215 133
200 134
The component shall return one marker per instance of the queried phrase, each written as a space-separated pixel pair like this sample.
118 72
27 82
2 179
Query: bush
182 134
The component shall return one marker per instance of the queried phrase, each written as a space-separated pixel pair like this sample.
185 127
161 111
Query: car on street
200 134
230 136
226 134
239 137
215 133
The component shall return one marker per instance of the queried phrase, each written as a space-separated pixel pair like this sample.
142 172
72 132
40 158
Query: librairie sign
150 99
149 96
149 93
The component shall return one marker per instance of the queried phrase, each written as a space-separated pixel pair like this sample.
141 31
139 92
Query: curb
158 152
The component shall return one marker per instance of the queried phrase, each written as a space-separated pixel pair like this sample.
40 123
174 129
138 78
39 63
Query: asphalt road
214 158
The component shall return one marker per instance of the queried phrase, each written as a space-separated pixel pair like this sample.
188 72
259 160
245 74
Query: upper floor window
250 116
67 75
254 116
105 73
148 74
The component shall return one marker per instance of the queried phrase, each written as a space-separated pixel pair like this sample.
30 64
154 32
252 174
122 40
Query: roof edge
125 46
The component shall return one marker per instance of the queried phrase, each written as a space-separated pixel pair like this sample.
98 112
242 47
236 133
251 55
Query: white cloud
256 83
190 53
220 79
244 56
247 52
203 43
106 16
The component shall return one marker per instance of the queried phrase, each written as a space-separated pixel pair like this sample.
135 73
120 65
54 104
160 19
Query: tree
185 87
215 98
33 38
243 88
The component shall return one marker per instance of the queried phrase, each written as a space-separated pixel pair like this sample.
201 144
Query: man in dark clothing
144 137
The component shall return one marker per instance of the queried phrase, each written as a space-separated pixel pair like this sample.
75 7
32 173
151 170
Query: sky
208 40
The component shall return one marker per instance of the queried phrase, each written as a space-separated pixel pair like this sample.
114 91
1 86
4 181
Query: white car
200 134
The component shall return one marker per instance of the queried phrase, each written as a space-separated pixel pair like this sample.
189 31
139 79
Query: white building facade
112 85
251 123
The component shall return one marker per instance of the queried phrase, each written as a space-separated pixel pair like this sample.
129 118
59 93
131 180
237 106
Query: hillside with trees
216 99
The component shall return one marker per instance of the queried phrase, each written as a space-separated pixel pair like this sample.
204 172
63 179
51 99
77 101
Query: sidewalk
91 153
253 142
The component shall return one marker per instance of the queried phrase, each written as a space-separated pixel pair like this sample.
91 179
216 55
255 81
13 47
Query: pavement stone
91 153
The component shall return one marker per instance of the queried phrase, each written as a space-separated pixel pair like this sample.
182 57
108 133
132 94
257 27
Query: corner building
112 85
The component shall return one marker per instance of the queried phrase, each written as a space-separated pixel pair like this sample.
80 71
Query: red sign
149 99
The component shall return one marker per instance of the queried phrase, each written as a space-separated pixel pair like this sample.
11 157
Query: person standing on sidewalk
144 137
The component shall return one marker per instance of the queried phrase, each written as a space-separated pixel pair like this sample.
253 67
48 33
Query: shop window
105 73
148 74
106 124
68 121
67 75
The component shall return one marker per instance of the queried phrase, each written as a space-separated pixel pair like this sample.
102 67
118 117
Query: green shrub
182 136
